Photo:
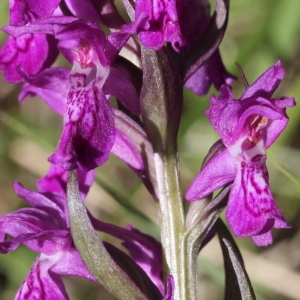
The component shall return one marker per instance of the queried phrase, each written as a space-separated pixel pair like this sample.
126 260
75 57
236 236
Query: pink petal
32 52
267 83
217 173
39 284
89 131
251 210
51 85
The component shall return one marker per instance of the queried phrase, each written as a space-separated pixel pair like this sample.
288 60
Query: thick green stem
161 103
172 219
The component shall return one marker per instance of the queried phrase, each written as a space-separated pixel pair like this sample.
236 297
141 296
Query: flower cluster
181 40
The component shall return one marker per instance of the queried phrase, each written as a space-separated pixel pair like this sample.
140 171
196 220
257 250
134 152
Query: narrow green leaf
238 285
201 218
92 250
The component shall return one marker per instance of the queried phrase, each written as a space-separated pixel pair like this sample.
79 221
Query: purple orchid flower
44 228
31 52
247 127
89 129
183 25
158 22
89 132
52 85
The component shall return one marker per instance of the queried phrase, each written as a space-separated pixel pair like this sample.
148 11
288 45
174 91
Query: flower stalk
161 99
171 220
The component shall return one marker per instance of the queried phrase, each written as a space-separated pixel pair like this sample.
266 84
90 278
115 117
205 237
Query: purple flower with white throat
89 129
88 133
247 128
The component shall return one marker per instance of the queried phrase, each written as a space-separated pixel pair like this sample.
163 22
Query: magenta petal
126 150
21 12
217 173
275 128
56 181
69 263
83 9
222 114
120 85
251 210
49 25
264 239
44 241
153 40
42 228
267 83
144 249
51 85
212 72
170 288
35 199
89 131
131 144
147 253
32 52
200 81
41 283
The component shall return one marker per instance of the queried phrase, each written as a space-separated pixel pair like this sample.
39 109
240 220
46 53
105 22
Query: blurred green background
258 33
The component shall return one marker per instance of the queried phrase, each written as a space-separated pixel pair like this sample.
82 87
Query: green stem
172 220
161 104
